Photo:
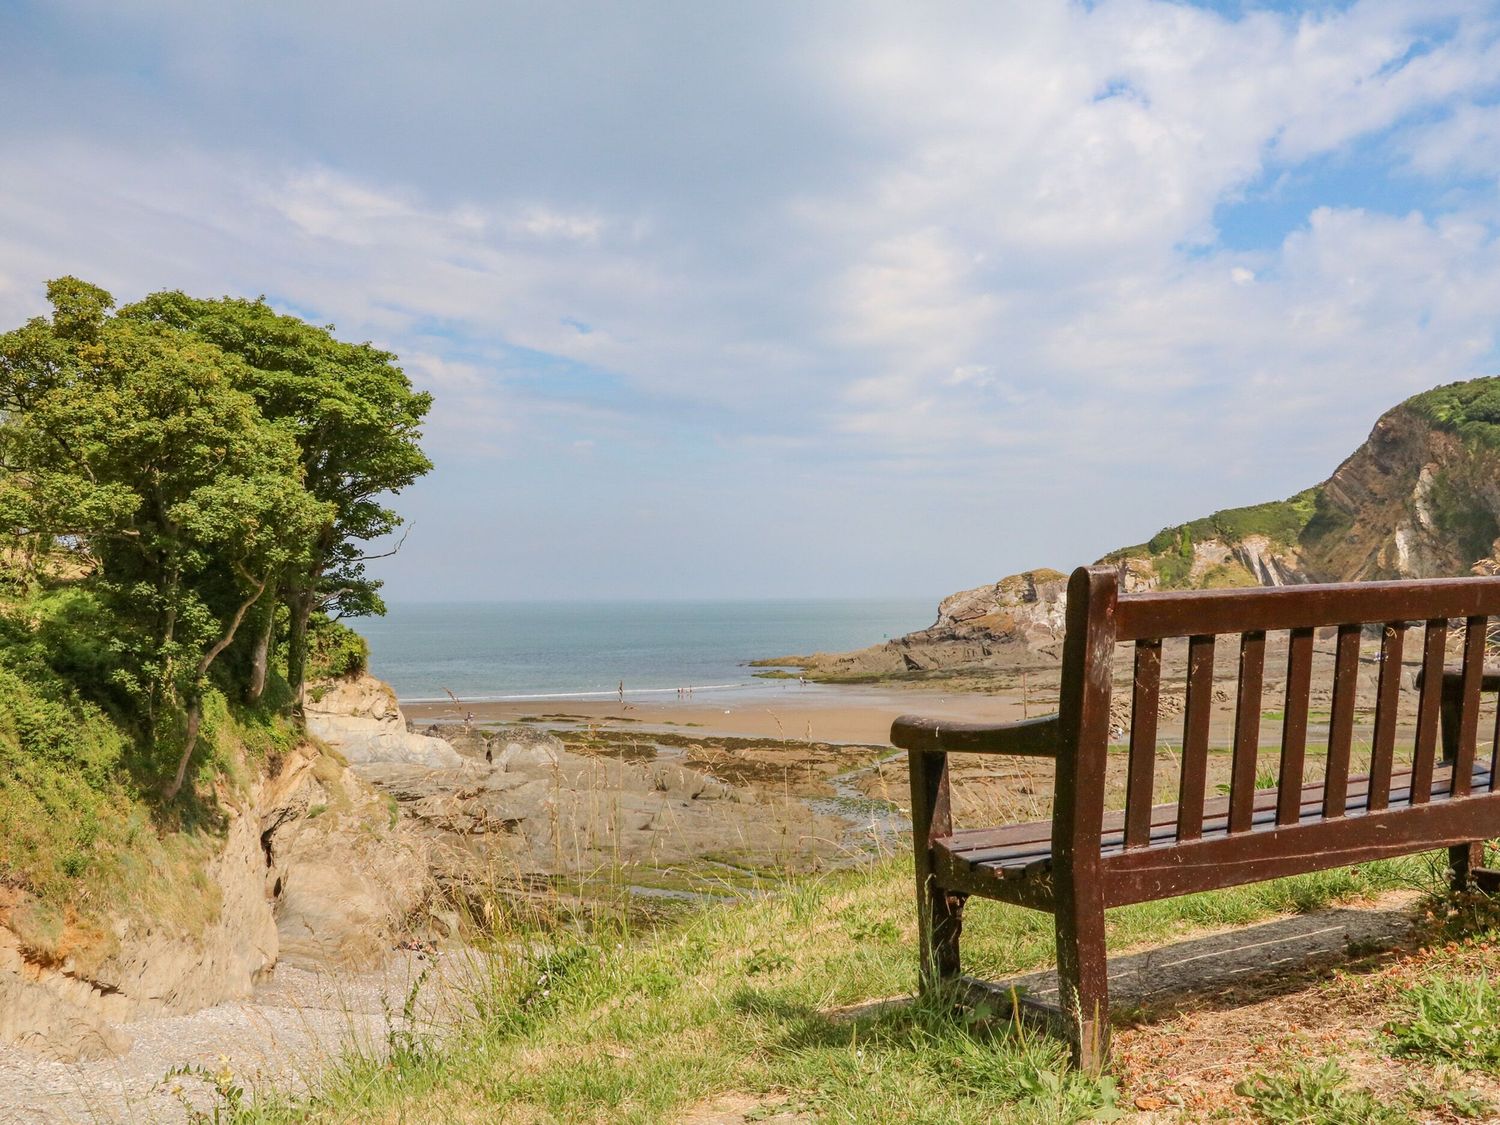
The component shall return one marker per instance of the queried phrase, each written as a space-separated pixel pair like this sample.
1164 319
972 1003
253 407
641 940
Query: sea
494 651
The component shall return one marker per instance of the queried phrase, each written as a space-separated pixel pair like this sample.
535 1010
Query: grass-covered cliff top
1280 521
1470 409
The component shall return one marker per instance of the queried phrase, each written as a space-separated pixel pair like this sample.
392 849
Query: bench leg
940 911
941 921
1463 861
1083 984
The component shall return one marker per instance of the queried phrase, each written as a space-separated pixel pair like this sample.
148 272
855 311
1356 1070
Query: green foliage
335 651
1471 409
171 473
82 832
1280 521
60 760
1171 551
1463 515
356 422
1309 1094
135 449
1452 1020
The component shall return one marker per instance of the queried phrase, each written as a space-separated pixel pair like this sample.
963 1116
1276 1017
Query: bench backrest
1412 616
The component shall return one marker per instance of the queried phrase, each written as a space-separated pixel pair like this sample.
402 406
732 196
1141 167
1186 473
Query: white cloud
977 250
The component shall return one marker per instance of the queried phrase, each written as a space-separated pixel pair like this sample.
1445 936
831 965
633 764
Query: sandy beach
805 712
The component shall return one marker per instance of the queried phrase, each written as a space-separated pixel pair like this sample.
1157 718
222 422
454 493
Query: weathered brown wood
1227 861
939 910
1035 890
1495 746
1182 614
1246 731
1387 708
1200 700
1085 859
1034 738
1487 879
1141 779
1341 719
1453 678
1029 852
1215 812
1078 809
1428 707
1468 719
1294 722
1462 743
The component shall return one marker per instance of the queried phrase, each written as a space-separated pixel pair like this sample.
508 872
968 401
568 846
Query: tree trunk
302 595
260 653
195 701
189 740
300 603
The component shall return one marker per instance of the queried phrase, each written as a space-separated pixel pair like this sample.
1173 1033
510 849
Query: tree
356 421
136 449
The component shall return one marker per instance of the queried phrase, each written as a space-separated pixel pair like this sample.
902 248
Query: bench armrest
1453 679
1031 738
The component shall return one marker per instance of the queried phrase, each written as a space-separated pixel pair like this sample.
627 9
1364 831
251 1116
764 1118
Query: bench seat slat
972 839
1025 848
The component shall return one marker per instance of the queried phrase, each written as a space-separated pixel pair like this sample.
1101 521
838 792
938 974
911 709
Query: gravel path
294 1024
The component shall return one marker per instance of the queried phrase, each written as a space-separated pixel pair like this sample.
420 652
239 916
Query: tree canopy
187 466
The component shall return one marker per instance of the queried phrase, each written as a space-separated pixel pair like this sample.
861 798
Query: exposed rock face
342 869
1419 499
313 865
361 718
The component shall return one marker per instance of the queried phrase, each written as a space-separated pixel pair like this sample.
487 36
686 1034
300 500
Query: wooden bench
1085 859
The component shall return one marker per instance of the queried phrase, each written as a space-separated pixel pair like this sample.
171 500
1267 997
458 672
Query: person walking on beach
622 693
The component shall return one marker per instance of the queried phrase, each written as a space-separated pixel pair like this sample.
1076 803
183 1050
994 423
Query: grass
1317 1094
775 1001
1451 1020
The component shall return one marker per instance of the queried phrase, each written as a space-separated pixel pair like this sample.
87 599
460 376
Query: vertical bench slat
1387 705
1200 699
1428 709
1294 725
1246 731
1341 721
1468 723
1139 784
1495 749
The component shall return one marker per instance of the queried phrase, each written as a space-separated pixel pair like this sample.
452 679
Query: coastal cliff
303 863
1420 498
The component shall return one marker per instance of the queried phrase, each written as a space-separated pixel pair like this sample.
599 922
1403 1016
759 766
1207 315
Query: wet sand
812 713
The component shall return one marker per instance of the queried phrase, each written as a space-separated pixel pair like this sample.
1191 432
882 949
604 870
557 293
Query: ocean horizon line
611 693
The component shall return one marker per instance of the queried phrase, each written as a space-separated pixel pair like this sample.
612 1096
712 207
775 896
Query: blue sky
775 299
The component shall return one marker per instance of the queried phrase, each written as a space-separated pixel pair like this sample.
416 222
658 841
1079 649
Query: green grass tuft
1317 1094
1451 1020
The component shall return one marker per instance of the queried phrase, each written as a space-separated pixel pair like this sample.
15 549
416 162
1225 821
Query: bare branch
386 554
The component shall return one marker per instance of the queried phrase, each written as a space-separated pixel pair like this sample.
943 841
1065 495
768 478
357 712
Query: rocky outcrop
1420 498
342 869
361 718
313 866
997 625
